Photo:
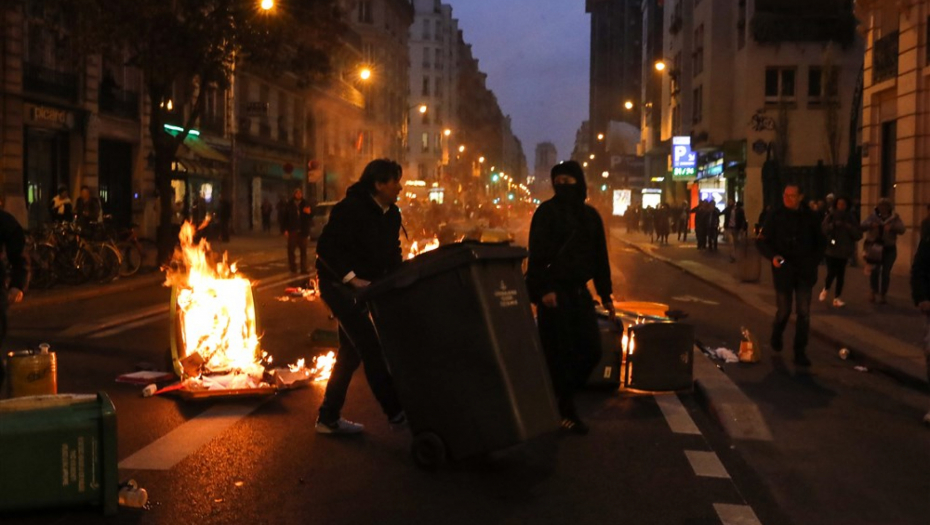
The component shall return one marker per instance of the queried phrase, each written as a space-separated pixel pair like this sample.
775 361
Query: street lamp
628 104
600 136
481 160
363 73
660 65
422 108
267 5
447 132
605 174
591 156
462 148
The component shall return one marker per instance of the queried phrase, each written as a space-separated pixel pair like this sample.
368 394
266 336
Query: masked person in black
793 240
568 248
360 243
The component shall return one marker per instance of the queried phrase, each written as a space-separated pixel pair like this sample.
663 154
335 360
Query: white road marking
693 299
172 448
706 464
736 514
676 415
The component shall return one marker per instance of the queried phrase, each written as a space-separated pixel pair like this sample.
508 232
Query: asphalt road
846 448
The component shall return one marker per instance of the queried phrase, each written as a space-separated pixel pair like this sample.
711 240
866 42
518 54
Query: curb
873 362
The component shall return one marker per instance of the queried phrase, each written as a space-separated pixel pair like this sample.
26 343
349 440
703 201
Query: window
438 87
425 142
426 30
364 12
821 83
779 85
425 91
438 60
698 56
421 171
698 104
437 142
426 58
438 32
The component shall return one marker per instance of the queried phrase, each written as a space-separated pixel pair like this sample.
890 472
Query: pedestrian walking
842 232
881 228
684 216
920 292
713 225
295 225
700 224
61 207
568 248
662 217
359 244
266 215
792 239
649 223
12 242
735 225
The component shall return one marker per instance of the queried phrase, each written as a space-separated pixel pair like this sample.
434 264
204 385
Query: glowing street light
462 148
628 104
585 164
660 65
591 156
267 5
481 160
364 73
600 136
447 132
422 108
605 174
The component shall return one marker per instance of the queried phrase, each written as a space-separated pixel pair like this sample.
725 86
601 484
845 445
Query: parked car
319 218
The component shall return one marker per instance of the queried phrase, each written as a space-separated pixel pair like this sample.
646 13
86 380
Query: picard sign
48 116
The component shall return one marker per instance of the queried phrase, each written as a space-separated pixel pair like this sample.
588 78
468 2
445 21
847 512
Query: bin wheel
428 450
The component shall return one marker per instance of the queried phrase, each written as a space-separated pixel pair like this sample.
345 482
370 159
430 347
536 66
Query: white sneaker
839 303
341 426
823 295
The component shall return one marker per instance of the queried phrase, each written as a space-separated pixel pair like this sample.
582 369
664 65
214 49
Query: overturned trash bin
659 356
459 337
57 451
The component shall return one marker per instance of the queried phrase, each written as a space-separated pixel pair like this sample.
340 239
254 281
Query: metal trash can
606 373
659 356
58 450
459 337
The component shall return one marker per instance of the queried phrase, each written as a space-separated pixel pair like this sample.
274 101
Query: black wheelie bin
459 337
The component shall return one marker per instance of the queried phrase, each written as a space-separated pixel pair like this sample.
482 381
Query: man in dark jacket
568 248
359 244
734 225
13 241
920 291
792 239
295 225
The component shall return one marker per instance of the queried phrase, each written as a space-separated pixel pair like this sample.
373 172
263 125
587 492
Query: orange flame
429 245
215 311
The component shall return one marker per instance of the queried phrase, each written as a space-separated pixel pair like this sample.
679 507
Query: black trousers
570 339
296 240
836 269
358 343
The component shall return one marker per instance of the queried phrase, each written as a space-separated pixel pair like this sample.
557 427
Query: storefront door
116 181
45 169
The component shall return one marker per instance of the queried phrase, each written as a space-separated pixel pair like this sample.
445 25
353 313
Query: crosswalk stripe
676 415
706 464
173 447
736 514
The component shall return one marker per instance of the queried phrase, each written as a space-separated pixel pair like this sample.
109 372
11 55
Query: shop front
264 179
51 146
200 175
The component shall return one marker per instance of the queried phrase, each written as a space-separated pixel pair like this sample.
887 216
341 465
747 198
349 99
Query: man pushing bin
359 244
568 248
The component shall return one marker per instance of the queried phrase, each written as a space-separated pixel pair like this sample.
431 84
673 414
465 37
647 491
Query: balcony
777 27
119 103
42 80
885 58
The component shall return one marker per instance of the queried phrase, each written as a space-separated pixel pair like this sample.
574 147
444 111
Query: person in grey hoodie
842 231
882 226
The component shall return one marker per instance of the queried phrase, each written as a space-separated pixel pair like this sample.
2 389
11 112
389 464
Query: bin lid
440 260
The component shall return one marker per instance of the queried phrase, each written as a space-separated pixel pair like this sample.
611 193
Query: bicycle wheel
41 266
108 259
131 258
75 265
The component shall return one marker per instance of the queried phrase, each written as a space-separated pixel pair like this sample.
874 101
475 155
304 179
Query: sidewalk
245 249
886 337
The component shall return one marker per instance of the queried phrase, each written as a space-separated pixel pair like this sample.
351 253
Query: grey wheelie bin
459 337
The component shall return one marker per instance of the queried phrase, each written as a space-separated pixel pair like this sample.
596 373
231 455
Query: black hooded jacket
796 236
360 237
568 246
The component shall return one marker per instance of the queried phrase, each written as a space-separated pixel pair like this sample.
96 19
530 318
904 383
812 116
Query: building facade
895 122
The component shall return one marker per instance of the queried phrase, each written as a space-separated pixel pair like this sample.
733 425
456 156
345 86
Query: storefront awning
201 149
192 166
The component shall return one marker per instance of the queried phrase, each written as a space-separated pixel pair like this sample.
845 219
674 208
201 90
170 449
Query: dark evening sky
536 54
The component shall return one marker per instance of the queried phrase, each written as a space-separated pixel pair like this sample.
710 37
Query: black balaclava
572 194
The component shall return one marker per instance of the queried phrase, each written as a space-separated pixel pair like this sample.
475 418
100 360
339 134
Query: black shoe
776 346
575 426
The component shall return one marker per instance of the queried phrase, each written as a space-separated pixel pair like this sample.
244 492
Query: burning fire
429 245
216 317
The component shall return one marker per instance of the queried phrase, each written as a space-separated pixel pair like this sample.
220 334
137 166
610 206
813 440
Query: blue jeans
358 343
783 296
